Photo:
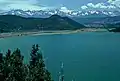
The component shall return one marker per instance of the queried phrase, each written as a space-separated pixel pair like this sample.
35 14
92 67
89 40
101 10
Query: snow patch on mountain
100 9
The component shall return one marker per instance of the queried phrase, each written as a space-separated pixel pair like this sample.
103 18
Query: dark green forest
13 68
13 23
115 30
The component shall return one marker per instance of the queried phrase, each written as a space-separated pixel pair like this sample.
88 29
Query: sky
63 4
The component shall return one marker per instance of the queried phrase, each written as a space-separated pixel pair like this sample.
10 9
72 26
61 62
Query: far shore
34 33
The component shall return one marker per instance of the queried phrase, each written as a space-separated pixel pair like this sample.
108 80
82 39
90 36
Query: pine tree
18 65
7 69
12 67
37 66
34 55
1 67
1 57
8 54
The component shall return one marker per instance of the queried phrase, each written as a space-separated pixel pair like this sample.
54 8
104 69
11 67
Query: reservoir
87 56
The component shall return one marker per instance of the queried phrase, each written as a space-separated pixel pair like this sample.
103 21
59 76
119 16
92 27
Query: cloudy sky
65 4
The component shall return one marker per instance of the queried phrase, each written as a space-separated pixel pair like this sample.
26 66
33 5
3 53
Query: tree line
13 68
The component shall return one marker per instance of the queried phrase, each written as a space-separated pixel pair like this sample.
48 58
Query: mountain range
102 20
84 17
54 22
68 13
59 19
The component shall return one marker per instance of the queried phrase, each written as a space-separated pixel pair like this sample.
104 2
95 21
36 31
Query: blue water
90 56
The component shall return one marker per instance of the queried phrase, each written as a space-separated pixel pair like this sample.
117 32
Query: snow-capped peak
63 11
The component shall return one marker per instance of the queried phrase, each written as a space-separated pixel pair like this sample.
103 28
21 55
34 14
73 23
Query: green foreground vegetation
12 67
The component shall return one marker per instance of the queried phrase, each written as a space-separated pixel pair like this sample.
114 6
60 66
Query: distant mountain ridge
68 13
99 21
90 18
55 22
102 20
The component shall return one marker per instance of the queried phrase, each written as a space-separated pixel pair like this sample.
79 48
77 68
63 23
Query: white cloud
110 1
35 5
98 6
84 7
114 2
21 4
90 5
109 5
65 9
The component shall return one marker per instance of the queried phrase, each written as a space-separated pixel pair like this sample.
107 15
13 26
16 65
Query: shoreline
13 34
35 33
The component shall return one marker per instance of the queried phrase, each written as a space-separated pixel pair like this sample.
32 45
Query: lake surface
91 56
